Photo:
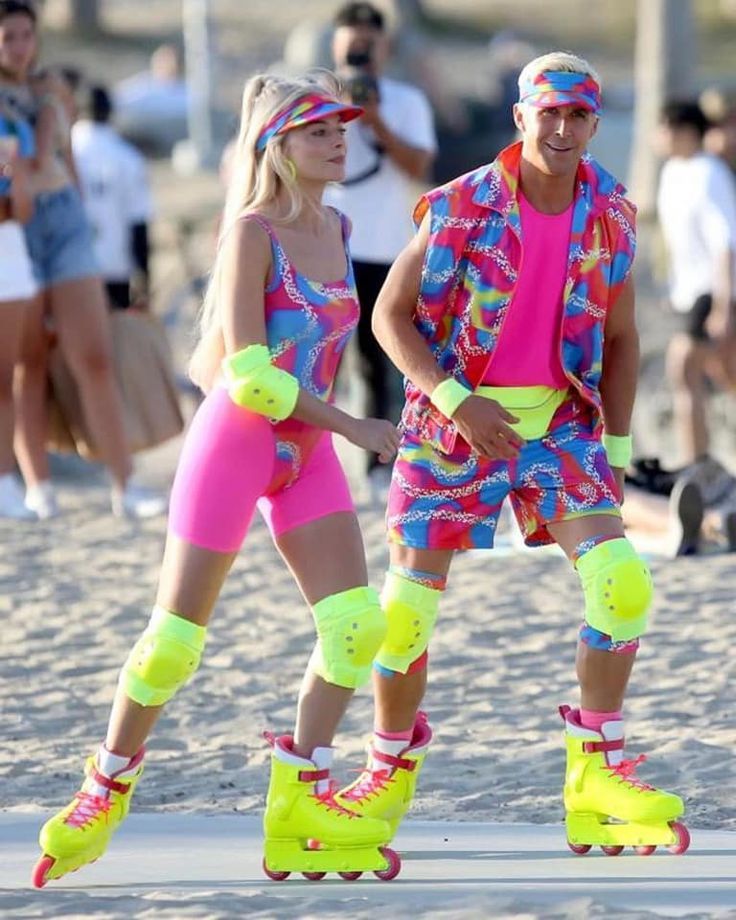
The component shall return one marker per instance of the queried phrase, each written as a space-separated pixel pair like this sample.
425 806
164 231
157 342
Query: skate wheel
683 839
580 849
350 876
314 876
644 851
273 875
394 865
612 851
40 871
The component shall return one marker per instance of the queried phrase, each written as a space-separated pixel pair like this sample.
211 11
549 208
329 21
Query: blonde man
511 315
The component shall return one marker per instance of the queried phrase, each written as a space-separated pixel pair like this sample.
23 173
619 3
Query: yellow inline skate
79 834
606 804
386 788
306 830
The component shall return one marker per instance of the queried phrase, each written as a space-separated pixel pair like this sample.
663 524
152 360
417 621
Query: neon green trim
534 406
448 395
411 610
255 384
350 628
244 362
618 589
163 659
619 449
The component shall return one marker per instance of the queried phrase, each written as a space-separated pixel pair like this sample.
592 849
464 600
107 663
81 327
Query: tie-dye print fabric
305 110
470 270
452 501
308 325
553 88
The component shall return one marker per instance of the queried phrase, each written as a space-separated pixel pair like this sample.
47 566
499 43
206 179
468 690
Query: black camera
360 84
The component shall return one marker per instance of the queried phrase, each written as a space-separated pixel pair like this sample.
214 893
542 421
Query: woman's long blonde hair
258 177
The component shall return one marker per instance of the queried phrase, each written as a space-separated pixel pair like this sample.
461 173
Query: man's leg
599 783
414 576
401 734
686 362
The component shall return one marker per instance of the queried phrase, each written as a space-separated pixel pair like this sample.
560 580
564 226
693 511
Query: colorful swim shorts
452 501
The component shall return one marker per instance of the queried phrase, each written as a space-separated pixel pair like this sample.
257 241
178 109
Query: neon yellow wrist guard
618 448
448 395
255 384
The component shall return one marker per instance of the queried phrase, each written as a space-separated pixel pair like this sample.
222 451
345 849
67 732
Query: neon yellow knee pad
411 611
618 589
255 384
163 659
350 628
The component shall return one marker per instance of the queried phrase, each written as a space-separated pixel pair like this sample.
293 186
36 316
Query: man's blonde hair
558 62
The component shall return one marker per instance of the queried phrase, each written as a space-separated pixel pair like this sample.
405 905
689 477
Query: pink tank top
528 348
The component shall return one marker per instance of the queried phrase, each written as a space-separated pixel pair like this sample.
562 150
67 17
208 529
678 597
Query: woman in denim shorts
71 292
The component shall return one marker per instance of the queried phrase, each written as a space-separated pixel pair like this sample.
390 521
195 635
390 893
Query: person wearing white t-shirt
390 148
696 204
117 200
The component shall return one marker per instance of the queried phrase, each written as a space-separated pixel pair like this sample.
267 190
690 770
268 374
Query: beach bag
144 372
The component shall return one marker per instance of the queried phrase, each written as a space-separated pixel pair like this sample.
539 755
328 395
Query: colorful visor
306 109
553 87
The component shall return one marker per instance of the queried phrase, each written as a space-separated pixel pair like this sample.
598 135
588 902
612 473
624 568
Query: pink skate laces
87 809
626 769
369 784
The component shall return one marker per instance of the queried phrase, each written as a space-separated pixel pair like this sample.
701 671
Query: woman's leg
326 557
11 316
30 395
189 585
225 465
82 324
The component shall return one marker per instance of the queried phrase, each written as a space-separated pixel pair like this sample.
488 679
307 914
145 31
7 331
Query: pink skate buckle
399 762
313 776
593 747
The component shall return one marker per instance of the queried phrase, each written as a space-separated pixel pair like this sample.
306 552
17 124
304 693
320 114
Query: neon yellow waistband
534 406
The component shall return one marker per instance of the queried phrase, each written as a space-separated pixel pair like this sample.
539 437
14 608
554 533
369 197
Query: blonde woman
280 309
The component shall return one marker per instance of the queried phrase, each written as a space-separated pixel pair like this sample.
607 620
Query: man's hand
371 115
484 425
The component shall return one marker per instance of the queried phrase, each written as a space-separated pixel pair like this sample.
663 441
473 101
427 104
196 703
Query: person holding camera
389 149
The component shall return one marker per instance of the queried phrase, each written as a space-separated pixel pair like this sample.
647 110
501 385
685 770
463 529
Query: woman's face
17 44
318 150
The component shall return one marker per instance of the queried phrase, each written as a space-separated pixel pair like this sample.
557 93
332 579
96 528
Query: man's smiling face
555 138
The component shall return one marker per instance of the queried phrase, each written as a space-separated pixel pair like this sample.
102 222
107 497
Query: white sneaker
136 501
41 500
12 504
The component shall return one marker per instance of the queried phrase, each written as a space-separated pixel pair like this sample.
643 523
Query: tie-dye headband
306 109
556 87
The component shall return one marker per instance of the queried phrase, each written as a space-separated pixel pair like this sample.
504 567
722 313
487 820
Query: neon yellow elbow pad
255 384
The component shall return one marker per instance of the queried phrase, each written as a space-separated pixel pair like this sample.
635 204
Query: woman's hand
484 425
376 435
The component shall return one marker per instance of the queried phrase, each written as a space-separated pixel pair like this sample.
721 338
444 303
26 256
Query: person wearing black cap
389 148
